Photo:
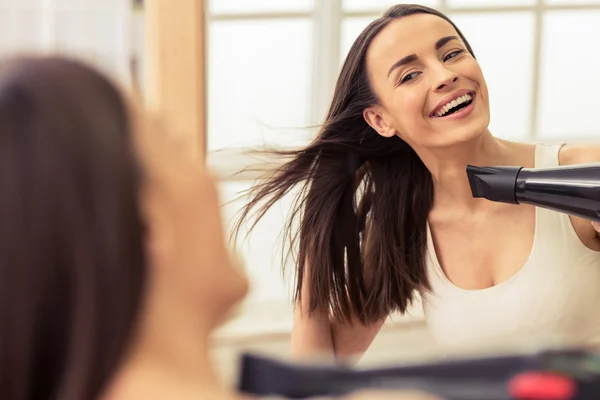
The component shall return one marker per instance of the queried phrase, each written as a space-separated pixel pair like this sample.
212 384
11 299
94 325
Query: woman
386 212
68 206
113 268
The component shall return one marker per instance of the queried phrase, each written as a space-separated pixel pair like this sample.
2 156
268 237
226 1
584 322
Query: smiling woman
385 210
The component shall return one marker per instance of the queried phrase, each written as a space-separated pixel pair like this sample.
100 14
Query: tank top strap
546 154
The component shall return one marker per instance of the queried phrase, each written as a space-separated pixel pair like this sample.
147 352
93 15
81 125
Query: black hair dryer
573 189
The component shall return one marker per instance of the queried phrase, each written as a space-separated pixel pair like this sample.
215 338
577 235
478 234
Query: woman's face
186 240
431 91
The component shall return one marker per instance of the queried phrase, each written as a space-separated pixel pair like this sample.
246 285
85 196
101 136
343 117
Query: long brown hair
363 202
71 237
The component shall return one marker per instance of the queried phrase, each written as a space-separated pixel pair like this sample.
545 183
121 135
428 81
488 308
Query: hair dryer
573 189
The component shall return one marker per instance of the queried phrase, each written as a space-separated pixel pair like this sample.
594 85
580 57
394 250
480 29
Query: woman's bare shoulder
579 153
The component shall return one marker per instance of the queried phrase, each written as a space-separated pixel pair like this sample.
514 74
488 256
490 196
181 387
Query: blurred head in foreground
110 241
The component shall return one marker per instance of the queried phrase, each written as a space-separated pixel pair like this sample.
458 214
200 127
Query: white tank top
556 294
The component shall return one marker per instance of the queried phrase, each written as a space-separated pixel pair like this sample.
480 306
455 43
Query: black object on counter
548 375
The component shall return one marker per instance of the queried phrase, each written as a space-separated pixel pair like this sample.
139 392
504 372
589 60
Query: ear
375 117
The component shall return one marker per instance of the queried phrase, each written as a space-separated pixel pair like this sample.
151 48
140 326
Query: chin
458 134
232 306
468 135
238 287
242 289
222 301
453 139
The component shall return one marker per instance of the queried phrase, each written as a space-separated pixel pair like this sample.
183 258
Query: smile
459 106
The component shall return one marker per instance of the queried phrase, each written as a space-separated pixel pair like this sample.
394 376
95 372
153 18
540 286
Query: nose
444 78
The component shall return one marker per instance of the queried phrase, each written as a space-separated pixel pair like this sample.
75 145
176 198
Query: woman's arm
312 336
351 340
316 336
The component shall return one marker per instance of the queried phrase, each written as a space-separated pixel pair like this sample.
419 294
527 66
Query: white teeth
462 99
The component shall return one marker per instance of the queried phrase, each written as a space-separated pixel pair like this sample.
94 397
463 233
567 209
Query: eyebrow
413 57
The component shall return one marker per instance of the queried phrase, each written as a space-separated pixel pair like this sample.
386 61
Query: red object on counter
542 386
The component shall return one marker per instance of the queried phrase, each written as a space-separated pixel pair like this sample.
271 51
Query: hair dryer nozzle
494 183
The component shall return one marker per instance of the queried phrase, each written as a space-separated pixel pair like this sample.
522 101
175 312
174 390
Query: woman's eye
409 77
453 54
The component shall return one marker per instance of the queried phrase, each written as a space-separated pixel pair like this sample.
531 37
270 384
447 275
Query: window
98 31
572 75
259 83
273 65
488 3
262 257
378 6
258 6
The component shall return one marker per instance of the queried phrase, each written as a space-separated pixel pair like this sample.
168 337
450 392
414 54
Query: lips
451 101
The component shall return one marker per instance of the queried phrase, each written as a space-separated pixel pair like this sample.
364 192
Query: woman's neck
448 168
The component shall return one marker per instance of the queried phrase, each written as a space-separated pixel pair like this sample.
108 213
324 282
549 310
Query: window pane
98 37
92 4
259 83
569 80
261 251
246 6
489 3
505 56
380 5
351 28
19 4
68 4
572 1
21 31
